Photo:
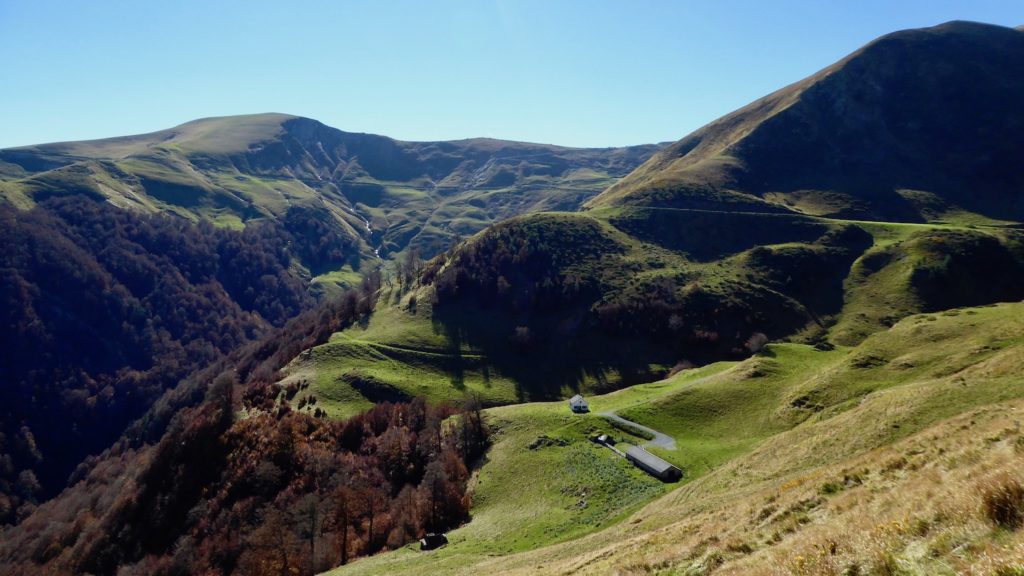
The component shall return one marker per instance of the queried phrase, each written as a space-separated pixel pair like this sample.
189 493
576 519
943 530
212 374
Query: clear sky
579 73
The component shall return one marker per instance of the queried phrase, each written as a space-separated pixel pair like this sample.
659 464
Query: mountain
801 216
106 309
116 287
814 297
917 126
381 194
849 219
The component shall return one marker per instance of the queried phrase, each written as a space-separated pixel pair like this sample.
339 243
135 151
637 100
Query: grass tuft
1003 501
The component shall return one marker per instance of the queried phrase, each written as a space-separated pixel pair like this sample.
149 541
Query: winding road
660 440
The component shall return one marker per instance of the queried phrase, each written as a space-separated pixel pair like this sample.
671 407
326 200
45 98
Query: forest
105 309
222 476
295 494
561 291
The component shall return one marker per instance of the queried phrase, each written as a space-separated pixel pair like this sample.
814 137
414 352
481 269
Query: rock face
914 126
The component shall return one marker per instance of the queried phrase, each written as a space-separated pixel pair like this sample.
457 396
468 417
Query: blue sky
579 73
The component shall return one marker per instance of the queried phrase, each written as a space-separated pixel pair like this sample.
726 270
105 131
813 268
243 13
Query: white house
578 404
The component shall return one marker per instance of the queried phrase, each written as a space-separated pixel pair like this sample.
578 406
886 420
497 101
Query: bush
680 366
756 342
831 487
1003 502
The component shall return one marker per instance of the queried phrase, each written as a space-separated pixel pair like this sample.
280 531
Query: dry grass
946 501
889 477
1003 501
915 507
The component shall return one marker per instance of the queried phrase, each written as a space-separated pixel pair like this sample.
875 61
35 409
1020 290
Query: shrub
1003 502
680 366
756 342
831 487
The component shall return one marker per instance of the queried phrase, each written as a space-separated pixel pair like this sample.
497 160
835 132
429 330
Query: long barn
652 464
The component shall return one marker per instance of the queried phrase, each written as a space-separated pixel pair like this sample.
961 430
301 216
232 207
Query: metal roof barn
652 464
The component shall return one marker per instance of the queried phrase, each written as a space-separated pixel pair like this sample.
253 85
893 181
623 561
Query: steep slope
208 484
919 125
381 194
103 311
695 256
797 461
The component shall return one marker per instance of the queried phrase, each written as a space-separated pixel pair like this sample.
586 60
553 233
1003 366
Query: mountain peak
917 117
962 26
215 134
961 29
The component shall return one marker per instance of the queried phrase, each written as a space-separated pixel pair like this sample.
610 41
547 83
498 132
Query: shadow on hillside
707 236
546 359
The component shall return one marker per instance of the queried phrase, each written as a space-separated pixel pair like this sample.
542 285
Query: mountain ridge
383 194
285 116
691 269
832 312
875 159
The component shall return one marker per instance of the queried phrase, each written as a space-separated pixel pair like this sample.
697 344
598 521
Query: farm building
578 404
652 464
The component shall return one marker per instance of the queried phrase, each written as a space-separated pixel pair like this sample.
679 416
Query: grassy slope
233 170
879 289
414 352
570 490
838 144
766 433
397 352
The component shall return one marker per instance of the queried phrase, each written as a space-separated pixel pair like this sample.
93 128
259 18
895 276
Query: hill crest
897 131
384 194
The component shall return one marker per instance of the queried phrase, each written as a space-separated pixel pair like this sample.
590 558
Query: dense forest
238 482
564 292
104 309
523 267
284 492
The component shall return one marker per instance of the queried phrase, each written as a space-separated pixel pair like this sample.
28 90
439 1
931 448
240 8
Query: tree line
105 309
193 488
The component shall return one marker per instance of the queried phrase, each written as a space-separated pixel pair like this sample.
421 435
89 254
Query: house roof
650 460
577 398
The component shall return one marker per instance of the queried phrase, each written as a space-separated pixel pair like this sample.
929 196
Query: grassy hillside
917 126
864 221
822 213
797 460
380 195
540 307
574 487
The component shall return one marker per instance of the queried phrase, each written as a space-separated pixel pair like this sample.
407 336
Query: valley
770 440
308 348
380 196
